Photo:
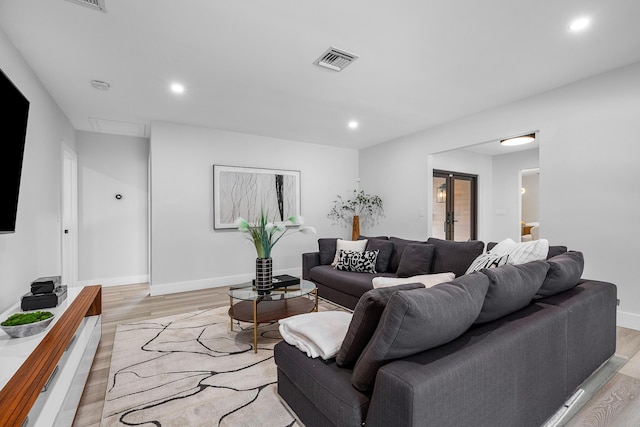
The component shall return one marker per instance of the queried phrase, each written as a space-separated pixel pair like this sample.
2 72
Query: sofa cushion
348 245
523 252
454 256
365 321
416 259
556 250
348 282
327 249
325 388
511 288
385 250
420 319
361 237
364 262
428 280
398 248
565 270
553 250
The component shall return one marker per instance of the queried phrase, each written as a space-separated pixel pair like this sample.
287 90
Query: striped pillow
487 260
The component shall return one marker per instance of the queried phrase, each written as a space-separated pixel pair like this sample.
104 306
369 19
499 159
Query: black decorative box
44 285
282 281
30 301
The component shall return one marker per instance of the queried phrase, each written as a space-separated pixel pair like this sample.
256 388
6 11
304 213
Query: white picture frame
243 191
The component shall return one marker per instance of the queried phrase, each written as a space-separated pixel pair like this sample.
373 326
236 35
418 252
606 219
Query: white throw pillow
487 260
428 280
348 245
519 253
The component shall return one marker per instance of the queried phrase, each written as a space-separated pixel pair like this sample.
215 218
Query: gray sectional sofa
500 347
346 287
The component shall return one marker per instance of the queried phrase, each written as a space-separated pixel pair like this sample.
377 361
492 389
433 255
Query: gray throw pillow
454 256
555 251
327 249
512 288
565 270
416 260
364 322
385 250
420 319
398 249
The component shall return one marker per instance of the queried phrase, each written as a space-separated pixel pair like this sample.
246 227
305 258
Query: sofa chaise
503 346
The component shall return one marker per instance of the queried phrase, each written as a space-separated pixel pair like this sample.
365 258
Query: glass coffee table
280 303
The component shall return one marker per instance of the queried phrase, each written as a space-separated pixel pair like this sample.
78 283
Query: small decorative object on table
20 325
265 233
361 209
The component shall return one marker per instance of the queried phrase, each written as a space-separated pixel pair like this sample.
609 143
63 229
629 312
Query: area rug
191 370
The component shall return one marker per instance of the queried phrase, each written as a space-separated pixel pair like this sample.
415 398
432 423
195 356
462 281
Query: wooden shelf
22 390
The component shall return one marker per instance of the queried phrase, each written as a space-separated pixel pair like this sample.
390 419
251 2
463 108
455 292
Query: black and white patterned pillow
487 260
362 262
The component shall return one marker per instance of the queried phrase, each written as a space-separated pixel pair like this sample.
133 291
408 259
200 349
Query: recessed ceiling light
177 88
579 24
353 124
518 140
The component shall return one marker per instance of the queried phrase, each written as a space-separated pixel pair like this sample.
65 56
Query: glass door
454 205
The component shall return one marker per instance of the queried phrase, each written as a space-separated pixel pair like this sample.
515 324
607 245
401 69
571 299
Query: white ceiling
248 65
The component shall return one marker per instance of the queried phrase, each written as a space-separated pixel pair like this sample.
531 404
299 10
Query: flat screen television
13 131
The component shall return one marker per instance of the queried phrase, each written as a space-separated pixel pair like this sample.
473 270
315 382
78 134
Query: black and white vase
264 275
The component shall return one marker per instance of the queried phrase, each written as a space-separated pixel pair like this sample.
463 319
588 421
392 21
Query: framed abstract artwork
243 192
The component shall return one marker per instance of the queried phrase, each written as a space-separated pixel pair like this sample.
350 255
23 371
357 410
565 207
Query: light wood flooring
614 405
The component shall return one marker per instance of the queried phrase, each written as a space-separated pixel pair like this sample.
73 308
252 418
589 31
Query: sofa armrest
309 260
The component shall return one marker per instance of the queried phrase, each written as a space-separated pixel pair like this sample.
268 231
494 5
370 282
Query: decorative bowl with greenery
21 325
360 209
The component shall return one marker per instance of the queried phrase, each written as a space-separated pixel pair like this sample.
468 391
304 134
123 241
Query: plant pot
264 275
355 231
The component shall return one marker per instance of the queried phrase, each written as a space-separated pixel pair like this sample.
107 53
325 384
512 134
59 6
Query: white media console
42 377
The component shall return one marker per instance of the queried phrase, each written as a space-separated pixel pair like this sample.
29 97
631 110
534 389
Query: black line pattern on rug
153 382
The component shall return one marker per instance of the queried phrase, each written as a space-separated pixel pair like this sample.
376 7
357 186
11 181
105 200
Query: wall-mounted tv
13 130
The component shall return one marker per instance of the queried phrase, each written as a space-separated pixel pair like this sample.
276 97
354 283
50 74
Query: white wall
186 252
113 234
506 193
531 185
586 129
34 249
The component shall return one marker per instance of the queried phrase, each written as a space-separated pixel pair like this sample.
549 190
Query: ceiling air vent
335 59
93 4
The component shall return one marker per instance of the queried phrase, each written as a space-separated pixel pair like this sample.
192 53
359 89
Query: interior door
454 205
69 217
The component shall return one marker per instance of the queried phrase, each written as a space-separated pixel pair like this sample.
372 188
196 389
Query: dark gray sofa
346 287
515 370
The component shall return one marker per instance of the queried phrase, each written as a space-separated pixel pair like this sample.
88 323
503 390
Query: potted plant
264 233
360 209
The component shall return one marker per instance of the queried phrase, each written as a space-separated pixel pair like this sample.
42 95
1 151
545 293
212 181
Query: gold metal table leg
231 315
316 294
255 326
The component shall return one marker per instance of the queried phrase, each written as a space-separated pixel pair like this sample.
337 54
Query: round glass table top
247 292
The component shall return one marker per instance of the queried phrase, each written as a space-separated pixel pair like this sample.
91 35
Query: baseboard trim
628 320
214 282
116 281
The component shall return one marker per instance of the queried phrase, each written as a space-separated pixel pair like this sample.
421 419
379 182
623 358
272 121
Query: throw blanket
317 334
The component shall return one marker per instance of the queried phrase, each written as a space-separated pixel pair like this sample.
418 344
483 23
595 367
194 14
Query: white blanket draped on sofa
317 334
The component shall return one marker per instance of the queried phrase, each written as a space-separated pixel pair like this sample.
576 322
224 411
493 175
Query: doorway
455 212
69 216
